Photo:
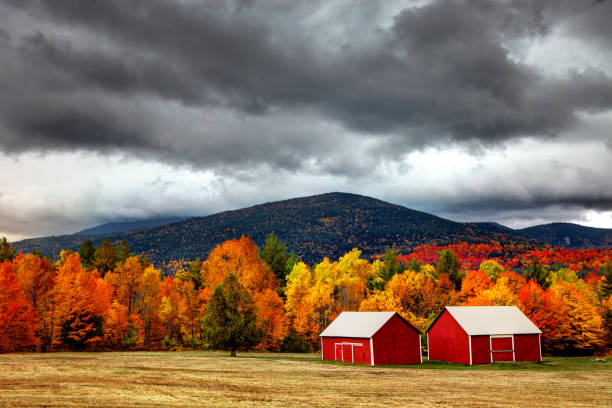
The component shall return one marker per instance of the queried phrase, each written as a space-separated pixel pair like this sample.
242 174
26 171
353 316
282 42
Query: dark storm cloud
228 85
442 71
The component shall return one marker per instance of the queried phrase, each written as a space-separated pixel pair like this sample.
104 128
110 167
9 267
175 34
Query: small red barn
371 338
483 334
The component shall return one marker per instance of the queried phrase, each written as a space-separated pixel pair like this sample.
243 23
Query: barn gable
481 320
483 334
371 338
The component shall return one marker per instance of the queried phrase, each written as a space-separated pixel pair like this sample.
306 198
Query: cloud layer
339 91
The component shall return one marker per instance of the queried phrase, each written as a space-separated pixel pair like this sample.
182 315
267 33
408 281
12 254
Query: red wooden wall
527 347
481 350
448 341
397 343
361 353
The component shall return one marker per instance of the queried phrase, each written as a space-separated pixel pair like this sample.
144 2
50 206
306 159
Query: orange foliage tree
37 279
83 299
18 320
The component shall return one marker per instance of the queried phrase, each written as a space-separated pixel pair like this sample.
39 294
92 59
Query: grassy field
142 379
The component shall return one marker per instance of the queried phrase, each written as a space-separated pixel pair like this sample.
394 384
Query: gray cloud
327 89
441 71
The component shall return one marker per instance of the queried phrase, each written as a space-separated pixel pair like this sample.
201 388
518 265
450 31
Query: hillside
315 227
570 235
127 226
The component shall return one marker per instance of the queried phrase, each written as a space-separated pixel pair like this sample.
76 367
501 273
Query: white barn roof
482 320
357 324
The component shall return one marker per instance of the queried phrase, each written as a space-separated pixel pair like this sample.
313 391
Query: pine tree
391 266
231 322
105 257
605 283
274 253
450 264
537 272
87 253
7 252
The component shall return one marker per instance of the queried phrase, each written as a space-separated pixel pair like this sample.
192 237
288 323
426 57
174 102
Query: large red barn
371 338
483 334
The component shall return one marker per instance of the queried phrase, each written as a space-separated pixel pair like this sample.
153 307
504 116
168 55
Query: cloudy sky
471 110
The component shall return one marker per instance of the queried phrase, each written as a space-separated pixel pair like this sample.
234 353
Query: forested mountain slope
323 225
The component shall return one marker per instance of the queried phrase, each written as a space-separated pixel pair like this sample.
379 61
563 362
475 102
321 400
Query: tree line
243 297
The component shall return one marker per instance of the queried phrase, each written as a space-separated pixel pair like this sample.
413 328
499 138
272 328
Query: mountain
570 235
126 226
326 225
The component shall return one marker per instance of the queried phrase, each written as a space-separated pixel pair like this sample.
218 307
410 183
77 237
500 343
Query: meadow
177 379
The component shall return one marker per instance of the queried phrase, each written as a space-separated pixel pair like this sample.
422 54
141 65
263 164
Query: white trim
372 350
470 346
420 349
540 343
342 344
501 336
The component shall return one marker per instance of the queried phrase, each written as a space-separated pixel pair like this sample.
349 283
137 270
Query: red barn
483 334
371 338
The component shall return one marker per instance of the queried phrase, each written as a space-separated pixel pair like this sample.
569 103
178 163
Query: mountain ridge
325 225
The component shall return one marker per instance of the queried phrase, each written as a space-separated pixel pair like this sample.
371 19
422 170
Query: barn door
502 348
338 351
347 353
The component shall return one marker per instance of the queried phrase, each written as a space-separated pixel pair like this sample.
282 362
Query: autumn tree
450 264
231 322
542 308
500 294
190 310
475 282
18 320
7 252
83 299
36 277
169 309
125 279
150 291
581 326
241 258
491 268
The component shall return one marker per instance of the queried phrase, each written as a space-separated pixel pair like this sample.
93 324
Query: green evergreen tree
274 253
7 252
450 264
87 253
292 261
538 272
231 322
193 273
605 283
391 266
123 251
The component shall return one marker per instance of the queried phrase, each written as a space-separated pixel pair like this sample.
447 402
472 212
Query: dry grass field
141 379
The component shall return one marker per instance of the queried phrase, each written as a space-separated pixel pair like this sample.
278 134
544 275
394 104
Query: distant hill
326 225
125 226
570 235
